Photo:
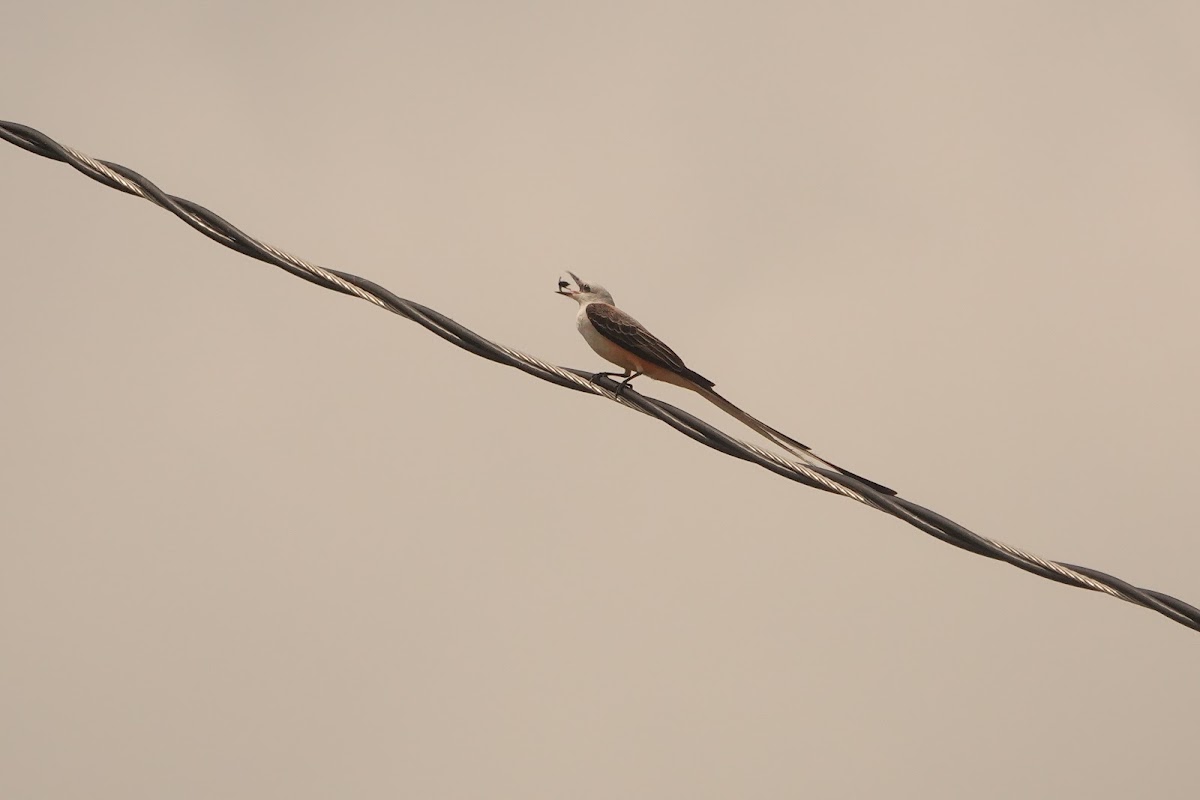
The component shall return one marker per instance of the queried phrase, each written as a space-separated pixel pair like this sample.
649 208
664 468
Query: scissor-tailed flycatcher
621 339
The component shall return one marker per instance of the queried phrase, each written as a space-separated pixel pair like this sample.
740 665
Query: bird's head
584 292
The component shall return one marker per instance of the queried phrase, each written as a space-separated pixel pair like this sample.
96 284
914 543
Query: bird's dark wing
633 336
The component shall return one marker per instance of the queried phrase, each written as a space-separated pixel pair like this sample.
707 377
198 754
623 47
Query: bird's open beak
564 287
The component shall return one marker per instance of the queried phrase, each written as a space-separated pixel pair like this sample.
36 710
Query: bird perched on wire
622 340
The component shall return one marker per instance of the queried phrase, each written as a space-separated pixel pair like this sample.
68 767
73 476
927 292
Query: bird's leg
627 375
625 382
624 374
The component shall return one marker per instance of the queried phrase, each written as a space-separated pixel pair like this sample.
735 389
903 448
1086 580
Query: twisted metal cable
219 230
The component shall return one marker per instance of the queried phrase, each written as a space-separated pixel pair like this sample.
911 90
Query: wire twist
221 231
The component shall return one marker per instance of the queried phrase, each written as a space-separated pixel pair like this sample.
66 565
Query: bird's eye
586 288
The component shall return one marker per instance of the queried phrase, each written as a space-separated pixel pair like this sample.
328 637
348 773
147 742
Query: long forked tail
781 439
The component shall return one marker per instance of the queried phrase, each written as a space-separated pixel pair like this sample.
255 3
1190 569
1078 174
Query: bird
622 340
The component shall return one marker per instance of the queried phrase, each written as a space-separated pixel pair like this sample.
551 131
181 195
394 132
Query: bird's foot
622 386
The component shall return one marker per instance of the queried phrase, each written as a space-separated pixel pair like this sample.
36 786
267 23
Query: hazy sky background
261 540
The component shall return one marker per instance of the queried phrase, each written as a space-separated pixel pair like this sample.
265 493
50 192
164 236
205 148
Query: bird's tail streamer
782 439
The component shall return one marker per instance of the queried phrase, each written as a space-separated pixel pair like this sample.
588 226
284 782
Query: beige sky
260 540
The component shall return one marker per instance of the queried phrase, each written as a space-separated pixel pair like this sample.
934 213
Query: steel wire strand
220 230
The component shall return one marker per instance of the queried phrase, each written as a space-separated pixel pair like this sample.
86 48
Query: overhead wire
815 476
